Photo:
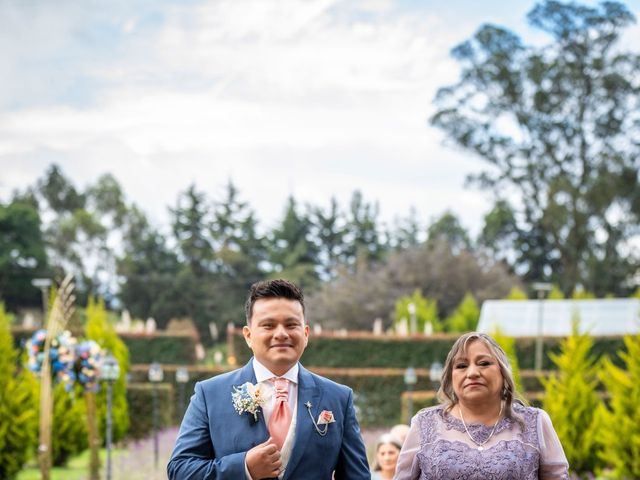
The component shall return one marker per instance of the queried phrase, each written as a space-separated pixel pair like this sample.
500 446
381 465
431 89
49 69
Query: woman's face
476 375
387 456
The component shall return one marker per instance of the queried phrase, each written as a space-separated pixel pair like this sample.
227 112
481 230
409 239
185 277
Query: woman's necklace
480 444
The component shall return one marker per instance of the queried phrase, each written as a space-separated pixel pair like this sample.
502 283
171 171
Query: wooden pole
46 416
94 437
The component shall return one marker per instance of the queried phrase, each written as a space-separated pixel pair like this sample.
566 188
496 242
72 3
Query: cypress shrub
508 344
69 434
100 330
465 318
621 438
572 401
18 420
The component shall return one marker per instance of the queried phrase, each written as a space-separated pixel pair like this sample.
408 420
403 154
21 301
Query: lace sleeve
408 467
553 462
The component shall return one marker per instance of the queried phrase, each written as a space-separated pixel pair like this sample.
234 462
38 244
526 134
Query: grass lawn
77 467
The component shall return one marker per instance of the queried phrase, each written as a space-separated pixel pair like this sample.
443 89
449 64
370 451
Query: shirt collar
263 373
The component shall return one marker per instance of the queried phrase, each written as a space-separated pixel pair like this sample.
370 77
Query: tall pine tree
18 407
572 401
620 439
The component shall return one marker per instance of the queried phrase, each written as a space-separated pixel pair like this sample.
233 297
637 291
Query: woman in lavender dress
479 432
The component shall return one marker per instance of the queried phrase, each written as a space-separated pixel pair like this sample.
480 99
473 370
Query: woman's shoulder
532 416
429 413
527 410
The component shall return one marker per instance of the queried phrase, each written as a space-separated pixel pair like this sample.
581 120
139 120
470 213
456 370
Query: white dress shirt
263 378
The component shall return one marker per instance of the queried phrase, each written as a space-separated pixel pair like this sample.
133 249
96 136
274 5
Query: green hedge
140 399
180 393
377 398
143 347
367 351
160 347
377 393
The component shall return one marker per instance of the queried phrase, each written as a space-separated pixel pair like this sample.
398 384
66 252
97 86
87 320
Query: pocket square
325 417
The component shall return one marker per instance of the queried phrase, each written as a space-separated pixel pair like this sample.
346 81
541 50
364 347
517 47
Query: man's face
277 333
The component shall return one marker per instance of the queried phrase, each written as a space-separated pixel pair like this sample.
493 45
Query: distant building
520 318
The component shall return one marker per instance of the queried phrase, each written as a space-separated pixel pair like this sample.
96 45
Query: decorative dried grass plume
63 307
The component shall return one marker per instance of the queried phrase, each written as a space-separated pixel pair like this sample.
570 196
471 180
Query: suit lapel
248 374
308 392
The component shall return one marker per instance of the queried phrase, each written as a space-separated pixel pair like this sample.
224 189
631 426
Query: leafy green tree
149 269
448 229
240 254
240 251
59 192
292 253
406 232
571 400
84 230
499 232
102 332
620 440
465 317
196 280
191 220
328 229
22 253
362 238
558 125
426 312
18 419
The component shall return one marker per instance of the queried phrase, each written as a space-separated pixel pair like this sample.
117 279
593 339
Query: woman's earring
505 392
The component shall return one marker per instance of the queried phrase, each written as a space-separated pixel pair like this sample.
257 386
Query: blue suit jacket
214 439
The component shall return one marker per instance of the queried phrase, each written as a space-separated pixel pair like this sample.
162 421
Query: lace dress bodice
438 448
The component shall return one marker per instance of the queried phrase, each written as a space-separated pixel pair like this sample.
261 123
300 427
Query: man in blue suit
271 418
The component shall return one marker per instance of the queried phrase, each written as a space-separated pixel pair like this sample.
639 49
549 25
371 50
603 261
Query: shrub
516 293
161 347
69 433
140 398
465 317
18 420
508 344
100 330
572 401
426 311
621 439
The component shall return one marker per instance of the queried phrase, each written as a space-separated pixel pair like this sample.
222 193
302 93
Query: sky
310 98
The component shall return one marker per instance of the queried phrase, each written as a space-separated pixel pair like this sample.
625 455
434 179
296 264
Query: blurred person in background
387 450
479 430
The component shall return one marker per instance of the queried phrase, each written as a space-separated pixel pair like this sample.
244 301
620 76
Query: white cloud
311 98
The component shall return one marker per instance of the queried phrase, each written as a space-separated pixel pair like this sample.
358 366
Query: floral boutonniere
248 398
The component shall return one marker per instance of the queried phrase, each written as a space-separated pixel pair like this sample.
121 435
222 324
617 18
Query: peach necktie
281 417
